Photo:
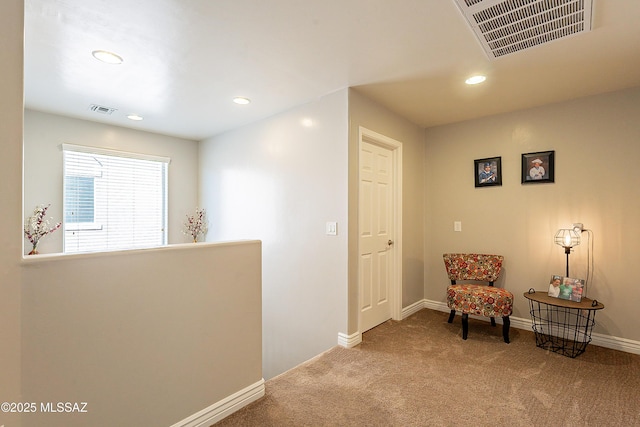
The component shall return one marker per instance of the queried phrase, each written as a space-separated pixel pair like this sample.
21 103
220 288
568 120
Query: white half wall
146 338
281 180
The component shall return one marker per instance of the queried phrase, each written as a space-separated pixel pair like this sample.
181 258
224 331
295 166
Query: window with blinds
113 200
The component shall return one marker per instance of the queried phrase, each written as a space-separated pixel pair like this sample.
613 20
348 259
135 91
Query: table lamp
567 238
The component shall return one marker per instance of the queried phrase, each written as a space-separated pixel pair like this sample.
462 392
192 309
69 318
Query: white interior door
377 264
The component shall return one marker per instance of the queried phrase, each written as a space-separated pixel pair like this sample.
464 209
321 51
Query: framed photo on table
488 172
566 288
538 167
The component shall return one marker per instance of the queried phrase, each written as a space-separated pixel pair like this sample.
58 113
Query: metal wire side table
562 326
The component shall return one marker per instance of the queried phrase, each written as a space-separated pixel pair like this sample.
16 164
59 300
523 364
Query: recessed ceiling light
134 117
108 57
306 122
241 100
474 80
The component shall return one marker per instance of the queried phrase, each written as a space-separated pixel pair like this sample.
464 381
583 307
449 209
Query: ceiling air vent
508 26
102 110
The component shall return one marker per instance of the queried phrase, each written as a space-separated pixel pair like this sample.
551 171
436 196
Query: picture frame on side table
538 167
566 288
488 172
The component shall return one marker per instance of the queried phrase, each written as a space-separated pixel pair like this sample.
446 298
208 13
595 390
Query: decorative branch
37 226
196 225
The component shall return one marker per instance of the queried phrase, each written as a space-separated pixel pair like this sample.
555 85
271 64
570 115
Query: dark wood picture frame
488 172
538 167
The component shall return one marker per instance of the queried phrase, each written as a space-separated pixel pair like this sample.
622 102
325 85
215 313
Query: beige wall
280 181
596 183
11 100
43 175
366 113
146 338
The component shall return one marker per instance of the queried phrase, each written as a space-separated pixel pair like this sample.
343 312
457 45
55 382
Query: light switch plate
457 225
332 229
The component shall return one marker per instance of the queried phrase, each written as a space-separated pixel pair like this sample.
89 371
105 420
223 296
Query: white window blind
113 200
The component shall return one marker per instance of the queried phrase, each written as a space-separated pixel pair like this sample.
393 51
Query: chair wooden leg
451 316
505 328
465 325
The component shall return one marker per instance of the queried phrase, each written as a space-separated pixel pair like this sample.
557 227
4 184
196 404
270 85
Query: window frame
97 225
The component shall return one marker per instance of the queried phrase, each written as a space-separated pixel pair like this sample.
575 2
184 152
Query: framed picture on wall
488 172
538 167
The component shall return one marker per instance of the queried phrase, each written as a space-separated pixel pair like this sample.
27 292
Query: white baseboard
608 341
413 308
224 407
616 343
349 341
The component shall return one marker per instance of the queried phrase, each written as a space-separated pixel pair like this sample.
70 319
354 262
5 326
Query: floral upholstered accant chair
478 299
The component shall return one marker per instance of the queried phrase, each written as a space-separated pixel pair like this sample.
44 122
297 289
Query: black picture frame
543 172
488 172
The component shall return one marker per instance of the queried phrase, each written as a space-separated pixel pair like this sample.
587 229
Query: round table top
543 297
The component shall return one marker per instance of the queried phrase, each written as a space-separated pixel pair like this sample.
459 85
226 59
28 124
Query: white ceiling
184 60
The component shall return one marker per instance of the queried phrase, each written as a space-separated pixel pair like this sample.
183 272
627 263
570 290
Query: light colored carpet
419 372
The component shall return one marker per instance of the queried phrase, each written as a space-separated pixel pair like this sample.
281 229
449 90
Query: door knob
390 242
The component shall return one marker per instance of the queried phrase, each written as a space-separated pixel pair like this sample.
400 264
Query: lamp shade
567 238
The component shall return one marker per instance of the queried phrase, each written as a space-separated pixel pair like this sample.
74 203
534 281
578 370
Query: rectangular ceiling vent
508 26
102 110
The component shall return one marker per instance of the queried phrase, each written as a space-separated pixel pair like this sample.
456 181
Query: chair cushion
480 267
480 300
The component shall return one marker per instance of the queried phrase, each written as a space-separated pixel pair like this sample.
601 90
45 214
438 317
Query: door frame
371 137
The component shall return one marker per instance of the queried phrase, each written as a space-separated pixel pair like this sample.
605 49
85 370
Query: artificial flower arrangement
196 225
37 226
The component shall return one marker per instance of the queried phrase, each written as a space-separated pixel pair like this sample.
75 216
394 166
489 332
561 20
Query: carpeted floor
419 372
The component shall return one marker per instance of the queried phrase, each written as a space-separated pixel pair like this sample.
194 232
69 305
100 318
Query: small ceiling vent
102 110
508 26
